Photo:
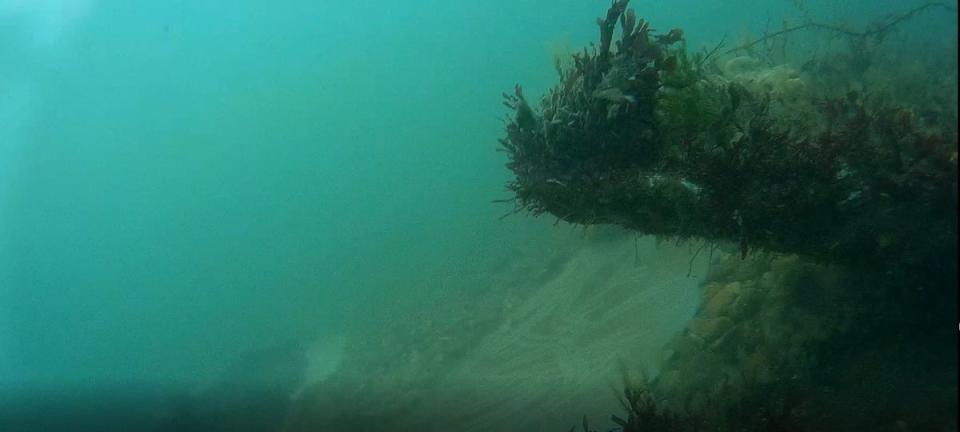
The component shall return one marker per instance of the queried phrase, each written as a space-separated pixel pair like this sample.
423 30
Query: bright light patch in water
45 21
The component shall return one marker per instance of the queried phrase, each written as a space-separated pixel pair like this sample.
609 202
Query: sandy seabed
535 341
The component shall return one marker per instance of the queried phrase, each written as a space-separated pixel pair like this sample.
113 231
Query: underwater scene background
294 217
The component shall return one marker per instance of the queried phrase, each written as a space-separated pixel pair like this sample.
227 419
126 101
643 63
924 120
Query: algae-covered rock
709 329
720 303
833 196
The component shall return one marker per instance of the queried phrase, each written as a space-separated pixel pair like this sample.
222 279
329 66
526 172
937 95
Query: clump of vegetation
639 133
759 409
